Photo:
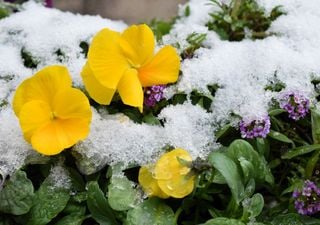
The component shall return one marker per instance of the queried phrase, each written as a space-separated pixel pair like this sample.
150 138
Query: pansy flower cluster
295 103
307 200
54 116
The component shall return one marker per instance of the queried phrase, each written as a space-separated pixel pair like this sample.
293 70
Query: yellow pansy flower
169 177
125 62
52 115
149 183
173 177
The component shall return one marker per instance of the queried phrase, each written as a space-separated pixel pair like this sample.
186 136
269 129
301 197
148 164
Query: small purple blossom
258 127
153 94
48 3
307 200
295 103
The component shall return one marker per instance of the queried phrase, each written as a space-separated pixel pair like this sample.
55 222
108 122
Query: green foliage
17 196
223 221
122 195
28 60
49 201
99 207
7 9
195 42
152 211
233 22
228 169
294 219
160 28
244 153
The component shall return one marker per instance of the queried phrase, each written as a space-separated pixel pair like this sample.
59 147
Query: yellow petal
172 176
71 103
34 115
106 59
130 89
137 44
162 69
96 90
168 164
178 187
149 184
59 134
42 86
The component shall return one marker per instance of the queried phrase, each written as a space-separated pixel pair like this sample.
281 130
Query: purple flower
49 3
153 94
258 127
307 200
295 103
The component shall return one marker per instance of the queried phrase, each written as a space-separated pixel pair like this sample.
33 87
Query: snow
242 70
59 178
13 149
42 32
115 138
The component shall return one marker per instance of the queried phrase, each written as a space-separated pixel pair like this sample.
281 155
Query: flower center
53 116
133 65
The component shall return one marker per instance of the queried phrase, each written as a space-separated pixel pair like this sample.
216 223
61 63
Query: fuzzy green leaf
122 195
229 171
98 205
223 221
239 151
48 203
17 196
280 137
152 211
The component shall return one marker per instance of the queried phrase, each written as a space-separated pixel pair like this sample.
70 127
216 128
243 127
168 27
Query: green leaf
240 150
280 137
151 119
229 171
223 131
296 184
311 164
152 211
294 219
78 183
247 169
122 195
255 205
263 146
17 196
300 151
315 126
223 221
98 205
276 112
250 188
49 201
72 219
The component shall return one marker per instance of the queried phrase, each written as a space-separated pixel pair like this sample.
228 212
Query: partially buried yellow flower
170 176
52 115
126 62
